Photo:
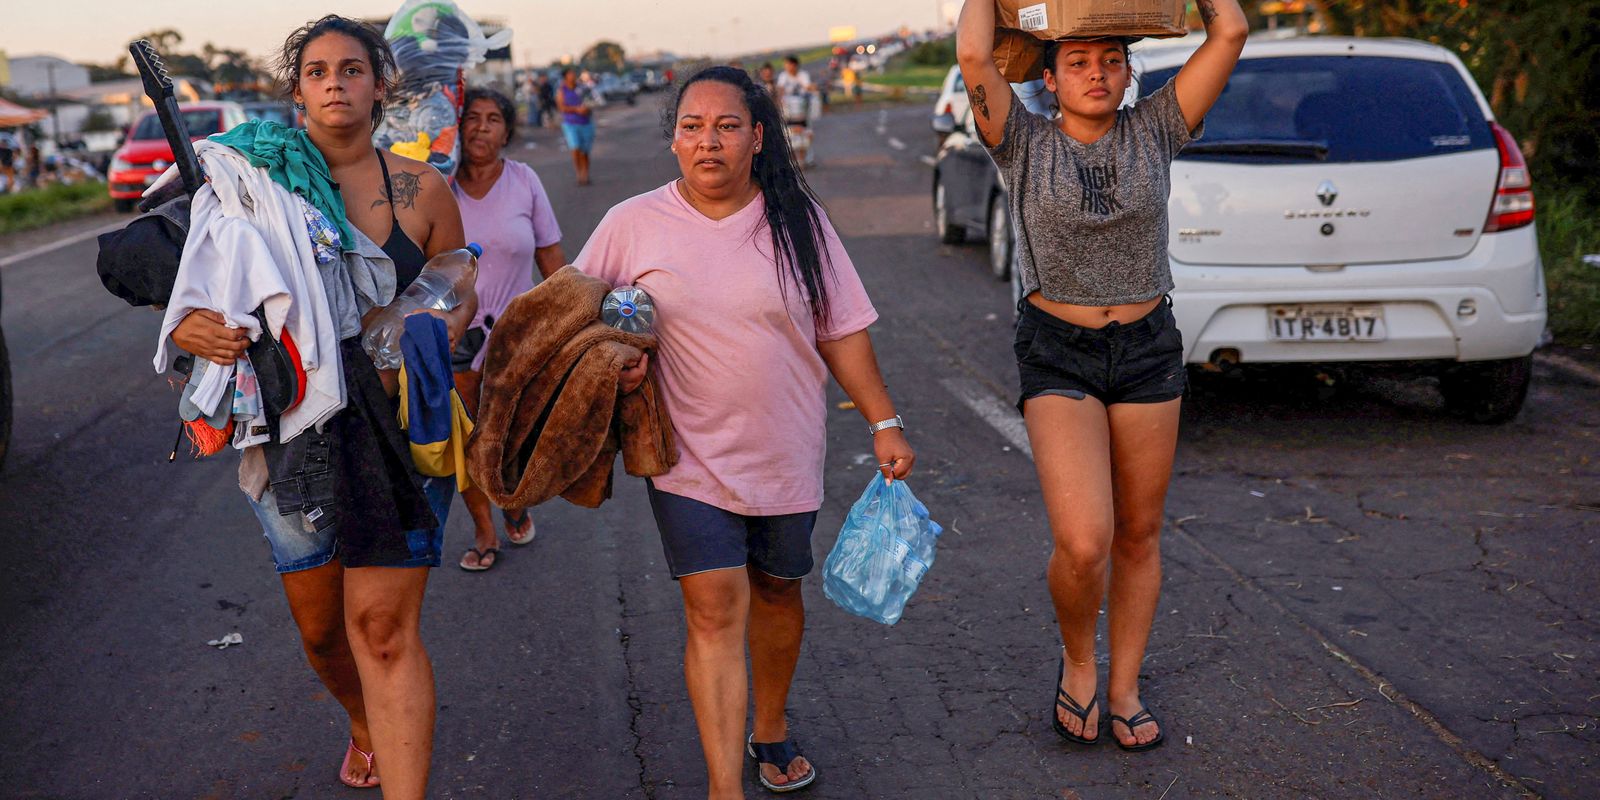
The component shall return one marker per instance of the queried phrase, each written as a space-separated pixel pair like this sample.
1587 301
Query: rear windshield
1337 109
199 122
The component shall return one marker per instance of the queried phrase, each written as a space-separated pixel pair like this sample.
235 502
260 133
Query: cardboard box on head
1024 25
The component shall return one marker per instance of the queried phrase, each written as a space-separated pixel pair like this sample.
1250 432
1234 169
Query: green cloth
294 163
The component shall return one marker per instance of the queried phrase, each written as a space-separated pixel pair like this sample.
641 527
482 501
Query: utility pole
55 114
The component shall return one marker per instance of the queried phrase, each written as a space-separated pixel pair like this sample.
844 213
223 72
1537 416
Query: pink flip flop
344 768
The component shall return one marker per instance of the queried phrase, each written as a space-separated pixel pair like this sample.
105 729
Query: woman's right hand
633 374
207 335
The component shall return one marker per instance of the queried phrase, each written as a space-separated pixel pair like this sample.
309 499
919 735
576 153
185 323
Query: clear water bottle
628 308
434 289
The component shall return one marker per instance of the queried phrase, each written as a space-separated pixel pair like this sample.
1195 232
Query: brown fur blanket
550 421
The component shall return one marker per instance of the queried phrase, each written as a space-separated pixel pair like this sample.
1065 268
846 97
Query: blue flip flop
780 755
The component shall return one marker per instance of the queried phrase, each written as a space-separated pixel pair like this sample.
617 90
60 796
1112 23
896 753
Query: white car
950 109
1354 200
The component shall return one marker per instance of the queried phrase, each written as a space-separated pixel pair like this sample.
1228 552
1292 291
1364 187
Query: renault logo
1327 193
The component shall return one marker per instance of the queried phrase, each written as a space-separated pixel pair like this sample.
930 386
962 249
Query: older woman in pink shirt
504 208
757 305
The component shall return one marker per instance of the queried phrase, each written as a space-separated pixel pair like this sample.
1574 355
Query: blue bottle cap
476 249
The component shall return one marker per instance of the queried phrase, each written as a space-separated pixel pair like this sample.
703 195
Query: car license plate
1326 323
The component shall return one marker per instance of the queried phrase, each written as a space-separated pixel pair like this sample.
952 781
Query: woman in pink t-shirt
757 304
504 208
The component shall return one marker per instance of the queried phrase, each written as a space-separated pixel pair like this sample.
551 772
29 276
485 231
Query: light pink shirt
738 366
512 221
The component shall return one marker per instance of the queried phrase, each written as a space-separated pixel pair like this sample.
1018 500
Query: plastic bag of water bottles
884 549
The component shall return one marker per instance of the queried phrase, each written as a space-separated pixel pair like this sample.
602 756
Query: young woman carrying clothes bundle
757 303
360 624
1100 357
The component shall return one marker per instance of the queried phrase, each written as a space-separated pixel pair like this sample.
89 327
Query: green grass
37 208
1569 228
910 75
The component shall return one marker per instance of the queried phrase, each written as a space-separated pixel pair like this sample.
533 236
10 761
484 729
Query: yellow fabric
446 458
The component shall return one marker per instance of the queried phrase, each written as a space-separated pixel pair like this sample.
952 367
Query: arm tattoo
1208 12
980 98
406 186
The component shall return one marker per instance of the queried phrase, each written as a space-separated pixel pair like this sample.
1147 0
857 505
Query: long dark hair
384 70
794 215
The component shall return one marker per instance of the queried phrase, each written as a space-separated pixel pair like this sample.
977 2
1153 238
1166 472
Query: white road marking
883 121
1003 418
896 143
70 240
1572 368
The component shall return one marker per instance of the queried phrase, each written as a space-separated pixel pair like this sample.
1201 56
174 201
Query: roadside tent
15 116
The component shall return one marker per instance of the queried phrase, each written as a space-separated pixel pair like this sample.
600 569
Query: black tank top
407 256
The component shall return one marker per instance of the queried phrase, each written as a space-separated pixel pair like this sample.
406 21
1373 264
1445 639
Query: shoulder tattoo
405 186
980 99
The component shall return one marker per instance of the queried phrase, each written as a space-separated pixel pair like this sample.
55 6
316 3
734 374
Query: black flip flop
516 523
1144 717
1064 700
482 554
780 755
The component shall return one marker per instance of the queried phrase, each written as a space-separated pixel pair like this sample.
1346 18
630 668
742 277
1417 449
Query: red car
145 154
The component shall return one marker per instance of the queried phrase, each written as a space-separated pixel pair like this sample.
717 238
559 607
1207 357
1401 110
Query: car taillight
1513 194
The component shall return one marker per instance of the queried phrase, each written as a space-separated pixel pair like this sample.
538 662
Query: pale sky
99 30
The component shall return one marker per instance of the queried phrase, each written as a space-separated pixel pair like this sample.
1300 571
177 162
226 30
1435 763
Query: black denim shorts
1137 362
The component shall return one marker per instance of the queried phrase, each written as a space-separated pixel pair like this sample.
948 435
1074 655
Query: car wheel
5 400
1488 392
948 233
122 206
1000 243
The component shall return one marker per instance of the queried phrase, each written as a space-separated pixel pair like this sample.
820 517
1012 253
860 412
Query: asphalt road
1363 598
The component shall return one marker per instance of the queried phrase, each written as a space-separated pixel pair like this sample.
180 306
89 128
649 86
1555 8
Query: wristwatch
892 422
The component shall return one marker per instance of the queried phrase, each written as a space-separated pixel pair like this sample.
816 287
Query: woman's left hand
895 457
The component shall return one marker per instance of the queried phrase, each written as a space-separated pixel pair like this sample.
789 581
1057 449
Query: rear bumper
1225 308
130 185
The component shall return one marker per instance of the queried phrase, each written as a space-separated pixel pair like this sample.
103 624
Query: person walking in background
547 100
504 208
759 303
577 122
1098 350
768 78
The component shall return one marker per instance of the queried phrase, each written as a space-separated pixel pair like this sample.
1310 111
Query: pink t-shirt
511 221
738 366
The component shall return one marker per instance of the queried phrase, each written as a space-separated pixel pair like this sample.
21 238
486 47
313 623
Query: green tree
604 56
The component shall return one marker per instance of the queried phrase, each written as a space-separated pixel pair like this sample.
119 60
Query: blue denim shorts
1137 362
698 537
579 137
297 544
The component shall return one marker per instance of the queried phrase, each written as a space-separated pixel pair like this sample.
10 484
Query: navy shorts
698 537
1140 362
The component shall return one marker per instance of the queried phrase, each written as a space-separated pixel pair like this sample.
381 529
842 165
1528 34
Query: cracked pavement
1362 597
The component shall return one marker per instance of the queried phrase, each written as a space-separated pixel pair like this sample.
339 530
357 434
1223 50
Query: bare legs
722 607
360 630
383 613
316 600
580 161
1104 473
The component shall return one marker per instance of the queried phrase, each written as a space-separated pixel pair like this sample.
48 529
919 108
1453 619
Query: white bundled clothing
247 247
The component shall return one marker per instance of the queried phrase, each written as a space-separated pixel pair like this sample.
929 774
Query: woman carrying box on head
1100 356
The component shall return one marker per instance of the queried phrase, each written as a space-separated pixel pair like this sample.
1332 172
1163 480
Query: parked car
613 88
951 106
145 154
273 111
1352 201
